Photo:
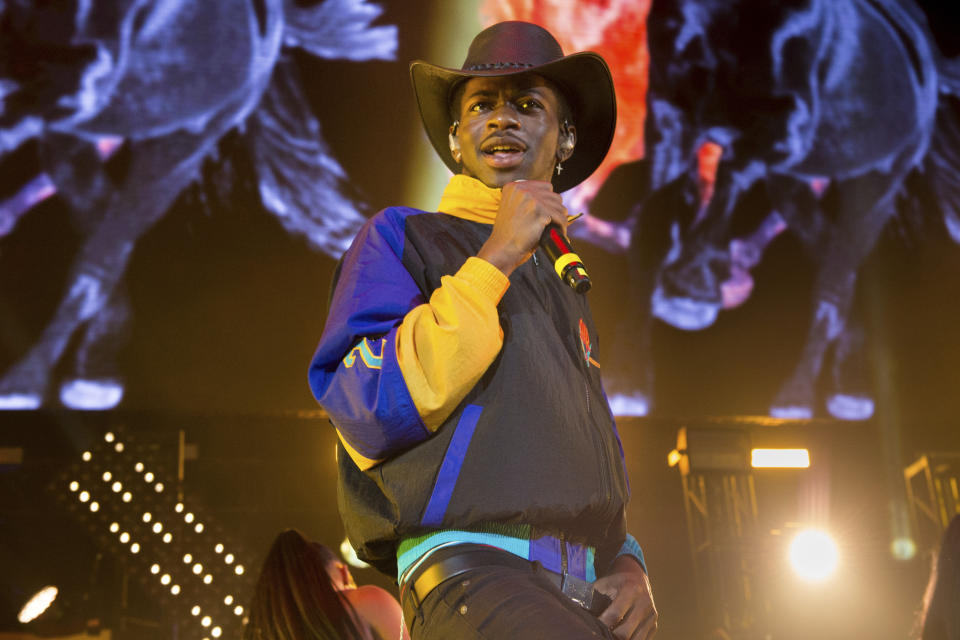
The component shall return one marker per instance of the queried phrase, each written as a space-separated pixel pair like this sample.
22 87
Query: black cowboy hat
510 48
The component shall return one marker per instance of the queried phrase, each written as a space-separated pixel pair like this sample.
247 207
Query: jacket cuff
489 280
632 548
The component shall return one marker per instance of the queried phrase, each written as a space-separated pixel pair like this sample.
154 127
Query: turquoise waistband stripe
517 546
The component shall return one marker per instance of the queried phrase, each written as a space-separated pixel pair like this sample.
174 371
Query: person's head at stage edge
518 109
940 618
298 594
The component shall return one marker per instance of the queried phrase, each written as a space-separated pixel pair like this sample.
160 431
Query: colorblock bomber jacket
464 400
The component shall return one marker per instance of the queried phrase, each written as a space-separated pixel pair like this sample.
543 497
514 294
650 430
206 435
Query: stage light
38 603
196 610
903 548
814 555
205 621
228 558
109 437
238 610
350 555
674 457
127 522
780 458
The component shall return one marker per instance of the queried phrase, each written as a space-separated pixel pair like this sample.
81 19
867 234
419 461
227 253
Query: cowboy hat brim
585 81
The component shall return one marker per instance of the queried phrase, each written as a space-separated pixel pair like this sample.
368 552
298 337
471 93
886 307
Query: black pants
500 603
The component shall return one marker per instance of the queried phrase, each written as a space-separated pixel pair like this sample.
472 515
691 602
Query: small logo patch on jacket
365 351
585 347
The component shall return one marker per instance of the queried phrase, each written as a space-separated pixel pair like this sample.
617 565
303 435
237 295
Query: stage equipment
137 511
933 495
732 552
720 501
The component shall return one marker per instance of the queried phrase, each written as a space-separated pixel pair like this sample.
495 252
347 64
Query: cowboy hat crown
510 48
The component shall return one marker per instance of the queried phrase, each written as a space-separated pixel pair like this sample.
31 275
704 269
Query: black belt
430 575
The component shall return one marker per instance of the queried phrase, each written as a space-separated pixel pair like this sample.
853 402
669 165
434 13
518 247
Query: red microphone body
566 262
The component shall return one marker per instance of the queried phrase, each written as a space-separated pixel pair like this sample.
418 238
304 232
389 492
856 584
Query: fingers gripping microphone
568 264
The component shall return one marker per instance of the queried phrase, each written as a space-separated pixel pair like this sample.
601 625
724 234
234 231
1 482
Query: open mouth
501 153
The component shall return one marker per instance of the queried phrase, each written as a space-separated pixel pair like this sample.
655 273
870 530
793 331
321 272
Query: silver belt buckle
580 591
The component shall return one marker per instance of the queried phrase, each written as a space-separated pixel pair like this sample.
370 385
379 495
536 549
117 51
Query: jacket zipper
598 432
563 560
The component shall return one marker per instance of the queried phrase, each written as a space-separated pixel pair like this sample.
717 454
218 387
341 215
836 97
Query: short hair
564 111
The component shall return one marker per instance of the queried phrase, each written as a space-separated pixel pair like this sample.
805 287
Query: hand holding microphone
520 227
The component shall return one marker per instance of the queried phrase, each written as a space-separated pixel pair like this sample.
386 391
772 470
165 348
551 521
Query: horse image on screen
819 111
131 109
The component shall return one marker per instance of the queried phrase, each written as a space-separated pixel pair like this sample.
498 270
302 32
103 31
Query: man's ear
568 140
454 142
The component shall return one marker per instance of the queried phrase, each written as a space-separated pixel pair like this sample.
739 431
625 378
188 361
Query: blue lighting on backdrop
163 82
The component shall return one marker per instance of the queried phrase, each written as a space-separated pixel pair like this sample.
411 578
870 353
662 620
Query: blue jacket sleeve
354 373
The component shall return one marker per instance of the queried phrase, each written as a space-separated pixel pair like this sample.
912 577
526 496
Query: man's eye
528 104
478 106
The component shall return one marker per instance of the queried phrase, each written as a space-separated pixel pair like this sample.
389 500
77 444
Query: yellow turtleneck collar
468 198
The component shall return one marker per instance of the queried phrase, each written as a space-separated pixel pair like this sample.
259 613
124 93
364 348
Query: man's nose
504 117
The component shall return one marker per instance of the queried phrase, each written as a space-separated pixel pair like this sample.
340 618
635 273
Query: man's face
509 129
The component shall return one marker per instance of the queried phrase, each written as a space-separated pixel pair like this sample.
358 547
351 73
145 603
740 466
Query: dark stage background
225 296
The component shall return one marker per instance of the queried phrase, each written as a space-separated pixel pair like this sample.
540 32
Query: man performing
479 461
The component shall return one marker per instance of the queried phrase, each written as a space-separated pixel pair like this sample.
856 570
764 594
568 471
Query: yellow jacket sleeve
445 345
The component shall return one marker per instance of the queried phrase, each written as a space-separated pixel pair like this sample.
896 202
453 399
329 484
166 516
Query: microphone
567 264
